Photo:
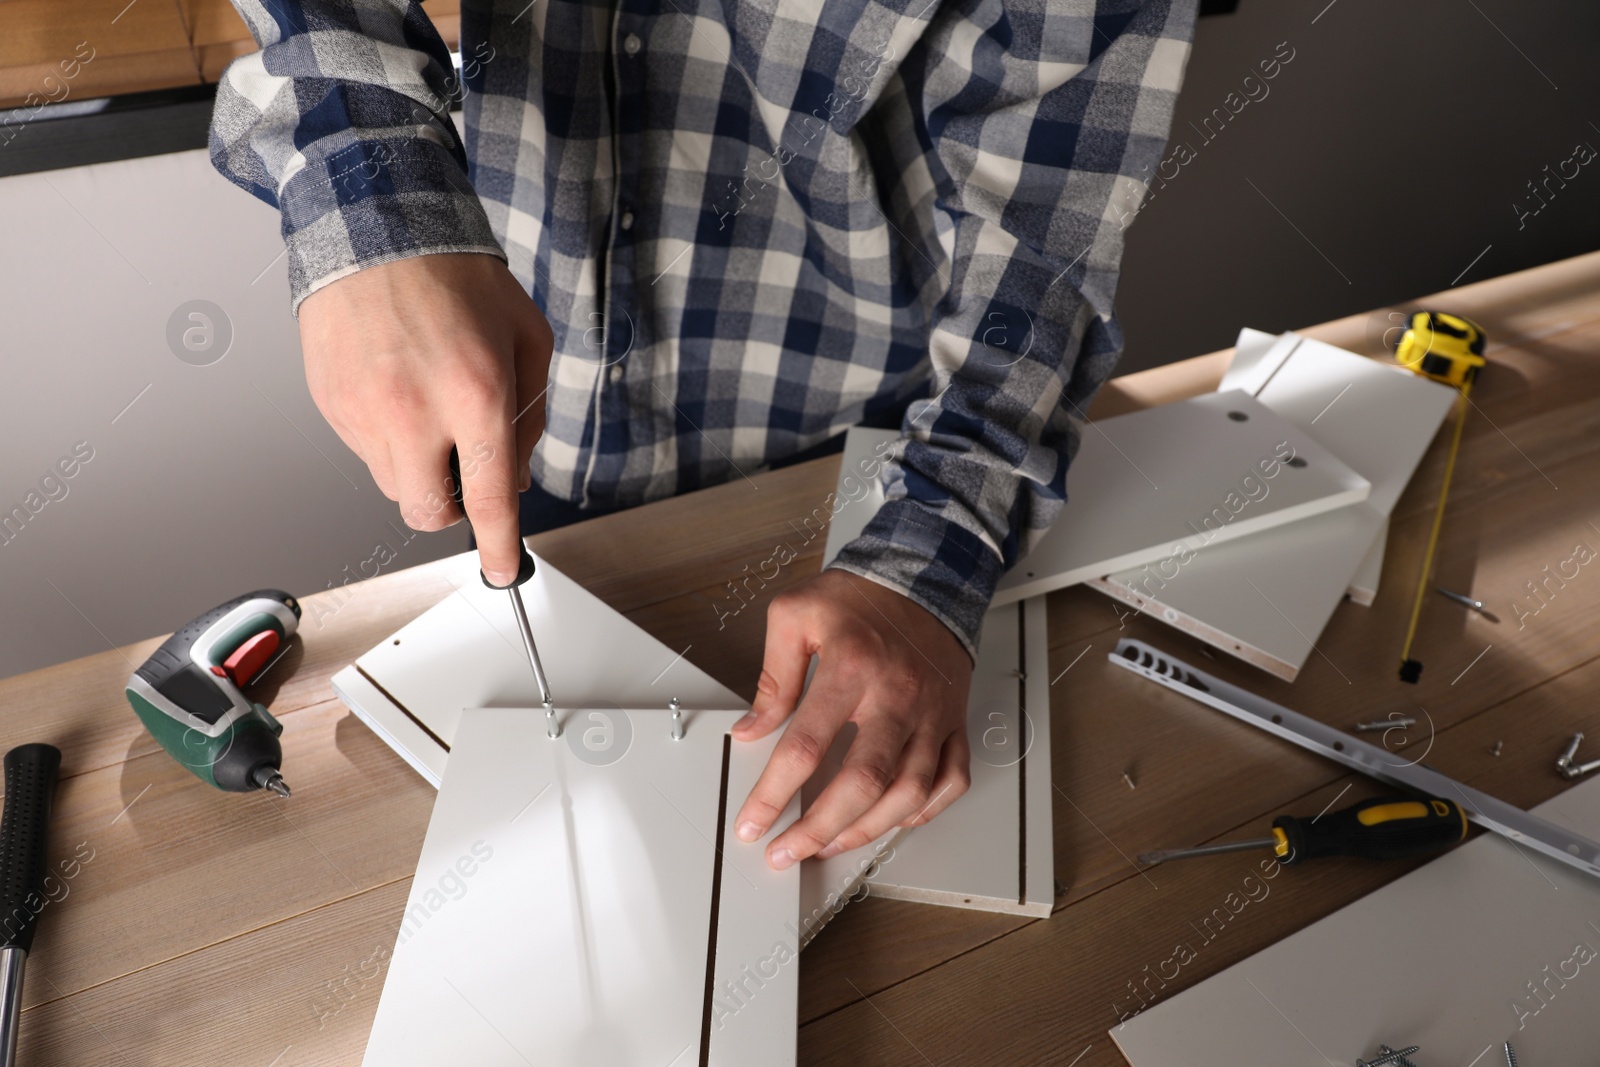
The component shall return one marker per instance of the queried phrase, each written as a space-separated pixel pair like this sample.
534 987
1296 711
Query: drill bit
269 779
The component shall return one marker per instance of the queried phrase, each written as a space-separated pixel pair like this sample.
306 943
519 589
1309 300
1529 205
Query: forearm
341 121
1033 179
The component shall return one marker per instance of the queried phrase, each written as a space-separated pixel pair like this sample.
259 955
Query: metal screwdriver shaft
521 612
525 571
1165 854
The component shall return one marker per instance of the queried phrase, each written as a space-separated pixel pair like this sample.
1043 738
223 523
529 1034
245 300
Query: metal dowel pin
1578 771
1564 761
552 727
677 719
1126 777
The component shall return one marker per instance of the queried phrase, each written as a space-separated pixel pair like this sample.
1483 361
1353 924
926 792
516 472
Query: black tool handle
525 568
24 827
1380 828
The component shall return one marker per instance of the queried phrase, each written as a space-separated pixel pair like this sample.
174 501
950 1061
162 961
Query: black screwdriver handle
24 828
525 568
1380 828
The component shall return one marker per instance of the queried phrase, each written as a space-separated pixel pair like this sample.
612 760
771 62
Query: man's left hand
884 663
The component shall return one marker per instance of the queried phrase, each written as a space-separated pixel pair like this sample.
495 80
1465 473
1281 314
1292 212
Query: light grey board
1363 588
1257 355
993 849
1142 482
563 908
1256 358
976 854
859 486
465 653
1266 598
1263 599
1440 958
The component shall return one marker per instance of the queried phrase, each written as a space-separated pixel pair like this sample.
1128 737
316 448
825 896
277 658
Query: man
682 241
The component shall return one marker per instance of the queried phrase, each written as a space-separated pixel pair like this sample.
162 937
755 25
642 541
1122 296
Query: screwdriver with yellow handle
1381 828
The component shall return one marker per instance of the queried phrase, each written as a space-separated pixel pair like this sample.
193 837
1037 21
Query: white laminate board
859 471
465 653
1486 944
1363 587
565 903
1256 358
1266 598
1257 355
1039 837
973 846
1145 481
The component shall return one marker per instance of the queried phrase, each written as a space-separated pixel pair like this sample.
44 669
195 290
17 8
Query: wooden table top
209 928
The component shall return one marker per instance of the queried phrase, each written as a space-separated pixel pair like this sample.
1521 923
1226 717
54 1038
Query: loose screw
1511 1056
1384 724
552 727
1401 1060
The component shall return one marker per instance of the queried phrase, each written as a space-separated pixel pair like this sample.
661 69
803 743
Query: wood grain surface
210 928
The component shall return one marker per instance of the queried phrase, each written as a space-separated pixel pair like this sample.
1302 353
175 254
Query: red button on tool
248 658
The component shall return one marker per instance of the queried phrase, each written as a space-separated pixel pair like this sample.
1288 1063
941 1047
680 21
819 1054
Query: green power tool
189 692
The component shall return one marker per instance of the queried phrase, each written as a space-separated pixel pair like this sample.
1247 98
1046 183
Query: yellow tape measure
1446 348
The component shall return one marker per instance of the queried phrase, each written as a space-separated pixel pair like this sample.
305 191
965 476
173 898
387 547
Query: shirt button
616 373
627 220
631 44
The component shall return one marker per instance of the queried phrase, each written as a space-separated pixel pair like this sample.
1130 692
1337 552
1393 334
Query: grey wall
1397 140
217 479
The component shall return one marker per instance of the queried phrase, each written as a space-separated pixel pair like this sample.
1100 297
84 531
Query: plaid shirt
751 224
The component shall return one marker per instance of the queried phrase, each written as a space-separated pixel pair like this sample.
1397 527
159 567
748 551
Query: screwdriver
524 572
1380 828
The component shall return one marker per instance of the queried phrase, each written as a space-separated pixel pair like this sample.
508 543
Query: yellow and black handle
1382 828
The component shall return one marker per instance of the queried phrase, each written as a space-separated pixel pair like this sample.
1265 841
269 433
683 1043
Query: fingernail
781 859
831 849
527 480
499 578
748 720
749 831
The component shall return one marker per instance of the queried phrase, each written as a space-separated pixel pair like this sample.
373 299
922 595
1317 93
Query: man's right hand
409 358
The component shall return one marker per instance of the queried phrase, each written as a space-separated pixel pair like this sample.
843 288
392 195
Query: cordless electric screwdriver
189 693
